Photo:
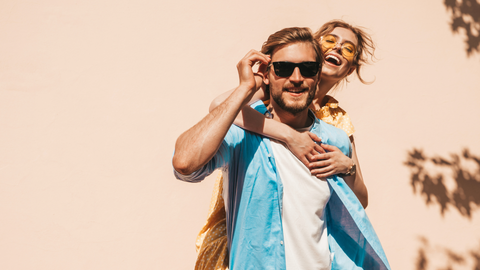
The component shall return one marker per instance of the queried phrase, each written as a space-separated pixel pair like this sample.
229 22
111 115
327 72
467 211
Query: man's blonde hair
292 35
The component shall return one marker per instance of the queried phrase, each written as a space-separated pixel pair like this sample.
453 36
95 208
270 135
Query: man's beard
295 108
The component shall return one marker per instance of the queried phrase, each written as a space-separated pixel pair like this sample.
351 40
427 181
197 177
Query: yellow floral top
332 114
211 241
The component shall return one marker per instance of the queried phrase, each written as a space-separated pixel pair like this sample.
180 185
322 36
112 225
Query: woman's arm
335 162
355 182
259 94
302 144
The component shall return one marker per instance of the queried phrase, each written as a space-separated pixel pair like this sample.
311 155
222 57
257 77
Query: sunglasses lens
285 69
328 42
348 50
309 69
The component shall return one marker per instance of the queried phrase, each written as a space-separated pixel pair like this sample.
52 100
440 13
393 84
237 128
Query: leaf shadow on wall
448 259
449 182
465 16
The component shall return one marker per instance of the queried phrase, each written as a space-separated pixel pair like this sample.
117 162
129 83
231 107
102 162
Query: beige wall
93 95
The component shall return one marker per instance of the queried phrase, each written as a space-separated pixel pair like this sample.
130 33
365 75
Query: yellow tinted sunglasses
329 42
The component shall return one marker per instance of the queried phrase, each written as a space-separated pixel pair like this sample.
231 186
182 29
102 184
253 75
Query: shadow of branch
431 184
429 258
465 15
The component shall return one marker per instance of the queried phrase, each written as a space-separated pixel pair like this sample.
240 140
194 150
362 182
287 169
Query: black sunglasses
285 69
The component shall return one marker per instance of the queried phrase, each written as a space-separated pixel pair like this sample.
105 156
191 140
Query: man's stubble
295 108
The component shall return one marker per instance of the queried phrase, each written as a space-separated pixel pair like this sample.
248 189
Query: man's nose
296 76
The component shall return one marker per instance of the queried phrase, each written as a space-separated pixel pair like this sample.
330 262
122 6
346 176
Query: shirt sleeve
220 160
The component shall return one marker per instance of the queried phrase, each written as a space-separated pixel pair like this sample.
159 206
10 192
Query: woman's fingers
336 158
314 137
323 175
323 172
320 156
319 164
319 149
330 148
305 161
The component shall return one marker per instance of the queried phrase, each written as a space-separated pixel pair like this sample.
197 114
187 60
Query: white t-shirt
304 200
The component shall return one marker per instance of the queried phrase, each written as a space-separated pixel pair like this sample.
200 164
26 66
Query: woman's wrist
351 169
287 135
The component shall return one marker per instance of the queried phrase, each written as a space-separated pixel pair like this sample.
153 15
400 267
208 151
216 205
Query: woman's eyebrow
343 40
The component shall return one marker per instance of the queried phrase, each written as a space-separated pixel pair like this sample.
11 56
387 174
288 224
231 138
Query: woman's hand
304 145
330 163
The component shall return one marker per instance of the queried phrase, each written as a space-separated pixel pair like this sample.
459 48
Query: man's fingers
249 60
245 68
254 56
263 67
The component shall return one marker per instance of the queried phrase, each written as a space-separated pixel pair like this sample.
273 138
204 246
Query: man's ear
265 77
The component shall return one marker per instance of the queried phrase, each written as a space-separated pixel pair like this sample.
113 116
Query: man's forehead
295 52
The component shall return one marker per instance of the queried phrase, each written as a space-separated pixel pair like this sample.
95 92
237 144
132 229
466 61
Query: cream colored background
93 95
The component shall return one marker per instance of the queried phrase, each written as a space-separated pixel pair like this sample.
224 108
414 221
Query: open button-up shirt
254 204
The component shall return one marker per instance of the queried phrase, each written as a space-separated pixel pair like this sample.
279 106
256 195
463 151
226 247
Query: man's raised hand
246 75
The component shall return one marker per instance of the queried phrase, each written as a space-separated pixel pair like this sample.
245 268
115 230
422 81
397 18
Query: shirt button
281 243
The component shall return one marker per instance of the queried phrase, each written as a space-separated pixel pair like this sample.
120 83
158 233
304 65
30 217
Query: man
278 215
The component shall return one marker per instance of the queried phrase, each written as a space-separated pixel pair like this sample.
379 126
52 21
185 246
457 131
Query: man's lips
295 91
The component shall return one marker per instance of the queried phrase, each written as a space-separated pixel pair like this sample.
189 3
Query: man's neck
299 120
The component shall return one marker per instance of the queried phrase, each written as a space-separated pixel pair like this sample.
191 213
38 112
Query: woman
346 49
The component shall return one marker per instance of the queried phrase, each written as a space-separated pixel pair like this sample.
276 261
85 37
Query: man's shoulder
238 135
322 126
260 106
332 135
330 128
234 134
